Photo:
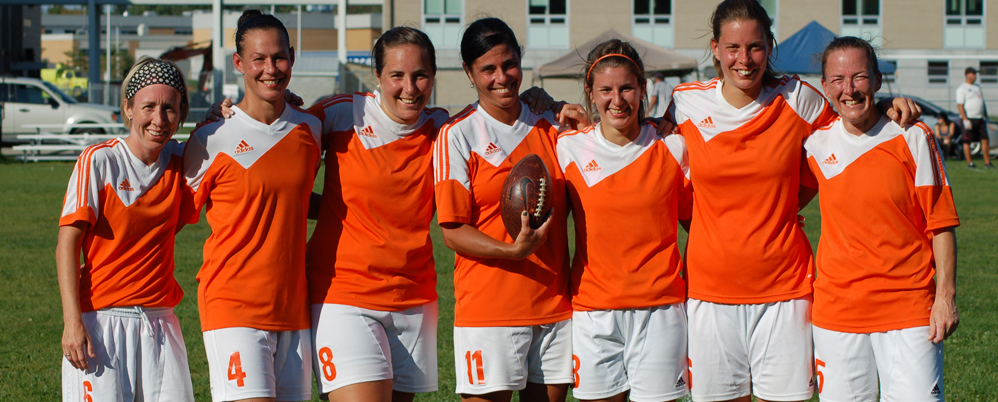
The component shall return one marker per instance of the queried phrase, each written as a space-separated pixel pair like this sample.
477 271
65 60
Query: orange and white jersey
745 246
256 180
132 211
882 195
627 202
471 158
371 245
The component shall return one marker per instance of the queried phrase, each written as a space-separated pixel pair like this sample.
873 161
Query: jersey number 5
236 370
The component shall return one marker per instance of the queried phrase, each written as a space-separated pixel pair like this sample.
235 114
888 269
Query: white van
30 101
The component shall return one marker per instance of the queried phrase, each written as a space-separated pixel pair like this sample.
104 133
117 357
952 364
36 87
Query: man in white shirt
659 94
973 111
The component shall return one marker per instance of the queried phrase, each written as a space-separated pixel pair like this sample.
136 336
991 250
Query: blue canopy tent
801 52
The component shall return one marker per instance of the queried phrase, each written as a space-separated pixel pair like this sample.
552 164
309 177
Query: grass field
31 322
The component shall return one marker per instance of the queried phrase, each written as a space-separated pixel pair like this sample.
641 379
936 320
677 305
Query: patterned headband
155 72
609 55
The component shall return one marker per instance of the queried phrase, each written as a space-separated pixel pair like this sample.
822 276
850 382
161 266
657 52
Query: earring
472 84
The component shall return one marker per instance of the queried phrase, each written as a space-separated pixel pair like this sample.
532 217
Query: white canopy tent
654 57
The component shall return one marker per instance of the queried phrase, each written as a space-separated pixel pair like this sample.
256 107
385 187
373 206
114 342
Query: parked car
930 115
30 101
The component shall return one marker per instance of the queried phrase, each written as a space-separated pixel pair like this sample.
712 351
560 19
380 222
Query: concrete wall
55 46
691 21
588 18
795 14
912 30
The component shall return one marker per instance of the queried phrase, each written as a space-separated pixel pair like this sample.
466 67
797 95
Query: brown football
527 188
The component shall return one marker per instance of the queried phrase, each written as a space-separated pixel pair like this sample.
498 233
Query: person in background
944 131
660 94
973 111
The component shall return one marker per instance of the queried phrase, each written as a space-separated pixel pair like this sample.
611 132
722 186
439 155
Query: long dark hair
746 10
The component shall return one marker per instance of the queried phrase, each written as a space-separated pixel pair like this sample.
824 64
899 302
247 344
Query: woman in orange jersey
749 264
370 268
887 220
255 172
628 184
121 340
512 315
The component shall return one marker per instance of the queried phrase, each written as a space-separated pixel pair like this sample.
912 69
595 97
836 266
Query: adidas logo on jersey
831 160
681 383
491 149
591 167
707 123
125 186
243 147
367 132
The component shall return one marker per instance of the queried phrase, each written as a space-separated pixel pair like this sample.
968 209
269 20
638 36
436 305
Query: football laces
540 199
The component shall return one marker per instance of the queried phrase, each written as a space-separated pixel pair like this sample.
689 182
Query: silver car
30 101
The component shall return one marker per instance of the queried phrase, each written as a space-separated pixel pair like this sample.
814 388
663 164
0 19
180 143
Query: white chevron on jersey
378 130
598 158
474 131
243 139
714 115
112 163
836 149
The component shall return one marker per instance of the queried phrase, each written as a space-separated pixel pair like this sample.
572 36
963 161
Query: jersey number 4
236 370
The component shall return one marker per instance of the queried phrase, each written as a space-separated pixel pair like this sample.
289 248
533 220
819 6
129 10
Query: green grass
30 312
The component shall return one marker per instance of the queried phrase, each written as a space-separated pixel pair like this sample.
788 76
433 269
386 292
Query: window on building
938 72
892 77
771 7
964 24
988 72
442 22
547 26
651 20
861 18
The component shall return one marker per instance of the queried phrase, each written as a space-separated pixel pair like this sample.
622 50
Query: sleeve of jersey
811 106
677 147
807 178
196 164
931 183
336 115
452 183
83 194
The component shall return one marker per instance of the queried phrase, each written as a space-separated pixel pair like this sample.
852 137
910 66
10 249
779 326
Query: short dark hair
485 34
253 19
400 36
852 42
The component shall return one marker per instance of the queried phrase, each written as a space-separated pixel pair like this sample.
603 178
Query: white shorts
353 345
140 356
491 359
738 349
251 363
641 350
907 364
